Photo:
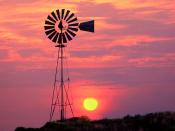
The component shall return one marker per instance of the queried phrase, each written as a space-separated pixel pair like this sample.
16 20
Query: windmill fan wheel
61 26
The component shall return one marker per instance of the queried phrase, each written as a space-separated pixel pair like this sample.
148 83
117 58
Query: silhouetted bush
164 121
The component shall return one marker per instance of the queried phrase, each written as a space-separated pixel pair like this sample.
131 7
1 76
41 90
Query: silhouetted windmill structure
60 27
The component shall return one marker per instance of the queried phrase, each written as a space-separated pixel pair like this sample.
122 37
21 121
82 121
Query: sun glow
90 104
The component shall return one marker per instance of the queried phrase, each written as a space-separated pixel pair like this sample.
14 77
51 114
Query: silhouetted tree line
164 121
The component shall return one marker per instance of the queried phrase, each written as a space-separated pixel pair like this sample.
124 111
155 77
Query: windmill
61 27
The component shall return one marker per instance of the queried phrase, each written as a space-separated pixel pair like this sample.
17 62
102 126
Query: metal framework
60 95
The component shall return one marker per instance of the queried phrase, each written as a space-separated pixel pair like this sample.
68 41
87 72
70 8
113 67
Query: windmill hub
61 26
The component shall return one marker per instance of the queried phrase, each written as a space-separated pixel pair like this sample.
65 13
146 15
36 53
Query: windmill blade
64 38
68 36
67 13
49 23
55 38
52 35
72 15
53 14
48 27
62 16
73 20
71 33
51 19
75 24
49 31
73 29
60 38
58 14
87 26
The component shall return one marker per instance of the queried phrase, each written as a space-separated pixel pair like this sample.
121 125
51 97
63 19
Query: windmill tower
60 27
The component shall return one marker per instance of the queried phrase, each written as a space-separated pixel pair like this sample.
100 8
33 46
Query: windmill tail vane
61 27
87 26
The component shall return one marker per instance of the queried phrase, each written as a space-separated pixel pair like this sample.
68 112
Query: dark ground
164 121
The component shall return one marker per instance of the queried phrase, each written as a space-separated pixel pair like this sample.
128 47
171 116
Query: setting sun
90 104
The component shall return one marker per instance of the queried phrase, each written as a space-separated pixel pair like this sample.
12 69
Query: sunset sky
128 64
